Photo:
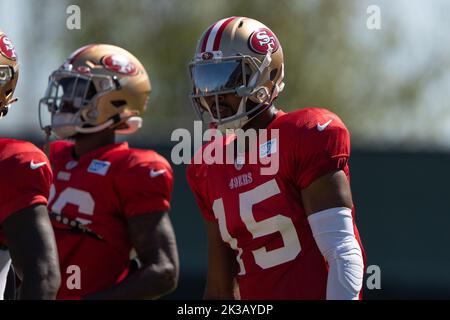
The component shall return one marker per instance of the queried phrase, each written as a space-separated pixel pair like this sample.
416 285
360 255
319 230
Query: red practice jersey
101 190
261 216
26 177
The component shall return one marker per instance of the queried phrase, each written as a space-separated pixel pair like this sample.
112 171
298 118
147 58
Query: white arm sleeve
333 231
5 262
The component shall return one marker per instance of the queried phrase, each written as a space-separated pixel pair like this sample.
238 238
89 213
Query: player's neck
89 142
263 120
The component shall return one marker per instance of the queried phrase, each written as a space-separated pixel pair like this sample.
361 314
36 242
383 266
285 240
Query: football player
107 198
286 235
25 229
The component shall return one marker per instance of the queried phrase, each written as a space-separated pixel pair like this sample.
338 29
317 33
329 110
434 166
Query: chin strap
130 120
4 110
48 133
95 129
134 124
241 122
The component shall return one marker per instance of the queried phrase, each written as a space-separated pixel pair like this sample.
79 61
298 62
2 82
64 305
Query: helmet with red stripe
9 73
99 86
239 56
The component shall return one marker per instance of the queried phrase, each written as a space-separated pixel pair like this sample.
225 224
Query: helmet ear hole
90 115
261 95
118 103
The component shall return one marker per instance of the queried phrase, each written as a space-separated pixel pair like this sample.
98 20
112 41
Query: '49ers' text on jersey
100 190
261 216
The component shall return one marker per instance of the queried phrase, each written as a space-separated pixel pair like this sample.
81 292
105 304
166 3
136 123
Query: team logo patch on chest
240 181
268 148
99 167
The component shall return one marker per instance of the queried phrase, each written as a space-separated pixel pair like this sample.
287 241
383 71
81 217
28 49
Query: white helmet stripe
213 34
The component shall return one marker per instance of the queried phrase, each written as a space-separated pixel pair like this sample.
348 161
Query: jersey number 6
82 199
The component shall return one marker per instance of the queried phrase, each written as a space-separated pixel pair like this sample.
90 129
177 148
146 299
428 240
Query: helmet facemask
242 75
7 79
9 73
71 98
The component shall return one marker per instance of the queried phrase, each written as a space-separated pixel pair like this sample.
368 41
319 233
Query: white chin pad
134 124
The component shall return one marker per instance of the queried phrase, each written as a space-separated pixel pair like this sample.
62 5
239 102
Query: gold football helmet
99 86
9 73
236 55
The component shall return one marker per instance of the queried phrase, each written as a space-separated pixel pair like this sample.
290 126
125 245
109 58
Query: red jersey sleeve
145 186
323 146
26 181
56 148
197 177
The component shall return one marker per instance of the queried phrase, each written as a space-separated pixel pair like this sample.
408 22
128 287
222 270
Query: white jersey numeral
278 223
219 212
82 199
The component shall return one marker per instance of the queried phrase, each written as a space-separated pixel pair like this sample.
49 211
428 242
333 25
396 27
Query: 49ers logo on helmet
7 48
207 55
262 40
119 63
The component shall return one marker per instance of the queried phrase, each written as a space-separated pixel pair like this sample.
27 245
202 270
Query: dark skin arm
329 191
31 242
222 267
153 239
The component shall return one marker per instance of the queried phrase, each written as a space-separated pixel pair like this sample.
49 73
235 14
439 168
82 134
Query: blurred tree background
379 81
